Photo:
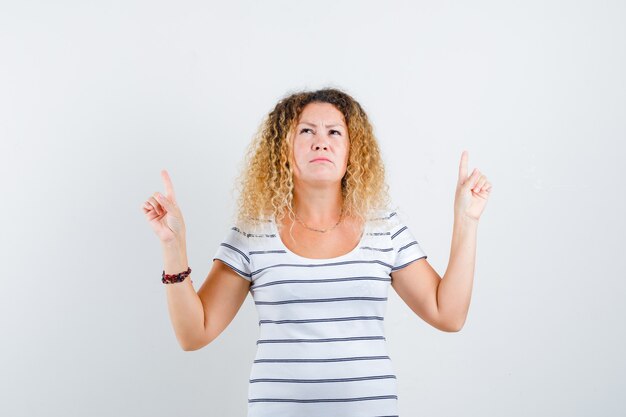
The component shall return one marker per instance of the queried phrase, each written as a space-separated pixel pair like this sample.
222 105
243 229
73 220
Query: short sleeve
233 252
405 246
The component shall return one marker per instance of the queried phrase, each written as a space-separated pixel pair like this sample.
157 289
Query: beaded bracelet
171 279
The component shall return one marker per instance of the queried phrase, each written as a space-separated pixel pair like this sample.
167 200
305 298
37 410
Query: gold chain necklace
321 230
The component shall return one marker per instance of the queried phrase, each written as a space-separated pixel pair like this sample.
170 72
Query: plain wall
97 97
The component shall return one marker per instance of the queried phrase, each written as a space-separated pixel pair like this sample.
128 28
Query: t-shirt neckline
295 255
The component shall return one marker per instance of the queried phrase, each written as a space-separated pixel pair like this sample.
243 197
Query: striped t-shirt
321 349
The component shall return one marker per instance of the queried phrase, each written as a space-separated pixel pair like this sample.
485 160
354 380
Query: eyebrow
314 125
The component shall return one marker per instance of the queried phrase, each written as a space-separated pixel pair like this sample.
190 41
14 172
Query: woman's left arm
455 288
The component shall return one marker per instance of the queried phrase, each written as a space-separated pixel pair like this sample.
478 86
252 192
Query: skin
444 302
441 302
320 133
199 318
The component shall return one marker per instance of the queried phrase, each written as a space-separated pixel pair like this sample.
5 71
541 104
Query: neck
318 207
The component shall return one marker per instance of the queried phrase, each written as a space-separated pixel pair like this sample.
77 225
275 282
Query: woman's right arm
198 318
185 307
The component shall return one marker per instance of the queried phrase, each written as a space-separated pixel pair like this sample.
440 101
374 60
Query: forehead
321 113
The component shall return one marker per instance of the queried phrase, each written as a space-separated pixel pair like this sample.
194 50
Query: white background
97 97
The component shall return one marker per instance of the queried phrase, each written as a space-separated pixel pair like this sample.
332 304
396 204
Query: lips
321 160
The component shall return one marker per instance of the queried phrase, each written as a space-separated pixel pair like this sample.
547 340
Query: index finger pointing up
169 188
463 167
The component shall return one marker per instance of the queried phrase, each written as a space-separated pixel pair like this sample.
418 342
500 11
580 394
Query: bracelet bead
174 278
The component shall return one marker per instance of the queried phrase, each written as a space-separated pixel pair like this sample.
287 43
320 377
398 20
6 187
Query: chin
323 181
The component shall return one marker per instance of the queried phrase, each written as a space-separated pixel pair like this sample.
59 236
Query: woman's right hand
164 214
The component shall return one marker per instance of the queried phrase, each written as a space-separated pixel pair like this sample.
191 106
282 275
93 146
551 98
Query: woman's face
320 145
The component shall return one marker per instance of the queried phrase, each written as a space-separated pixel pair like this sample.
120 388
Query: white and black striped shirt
321 349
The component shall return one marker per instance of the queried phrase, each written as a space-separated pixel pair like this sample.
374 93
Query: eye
331 131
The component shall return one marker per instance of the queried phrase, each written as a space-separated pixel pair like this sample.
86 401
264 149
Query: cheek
299 152
298 156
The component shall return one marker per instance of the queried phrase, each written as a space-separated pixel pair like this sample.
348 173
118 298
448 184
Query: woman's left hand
472 192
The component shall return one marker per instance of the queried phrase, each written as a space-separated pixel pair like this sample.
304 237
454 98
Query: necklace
321 230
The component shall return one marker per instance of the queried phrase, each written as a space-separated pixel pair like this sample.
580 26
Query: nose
320 142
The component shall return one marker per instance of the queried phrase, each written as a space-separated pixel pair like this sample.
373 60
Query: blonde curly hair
265 182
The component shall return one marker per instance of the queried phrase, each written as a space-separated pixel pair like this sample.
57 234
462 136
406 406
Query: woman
316 245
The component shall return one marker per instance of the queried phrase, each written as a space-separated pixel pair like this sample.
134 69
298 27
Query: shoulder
253 231
384 220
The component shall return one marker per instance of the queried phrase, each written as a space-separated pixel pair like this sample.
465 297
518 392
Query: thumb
164 201
471 180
